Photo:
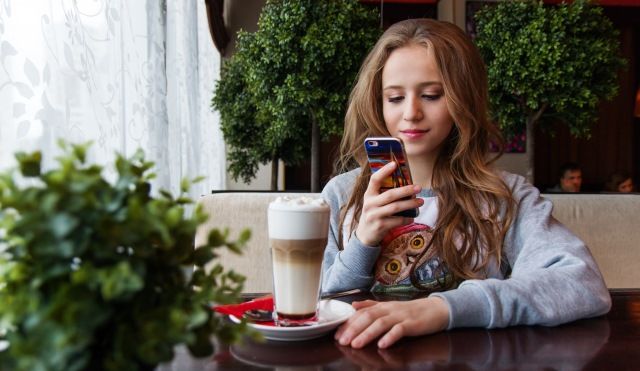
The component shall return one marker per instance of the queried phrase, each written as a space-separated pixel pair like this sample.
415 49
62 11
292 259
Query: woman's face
413 102
626 186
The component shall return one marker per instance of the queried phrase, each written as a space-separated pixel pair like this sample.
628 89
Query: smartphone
382 150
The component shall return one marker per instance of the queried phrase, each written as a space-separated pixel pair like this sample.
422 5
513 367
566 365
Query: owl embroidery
399 250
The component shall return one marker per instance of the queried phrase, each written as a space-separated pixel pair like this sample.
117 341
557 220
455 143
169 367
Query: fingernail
416 188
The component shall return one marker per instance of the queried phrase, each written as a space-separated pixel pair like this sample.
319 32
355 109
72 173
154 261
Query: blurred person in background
619 182
570 179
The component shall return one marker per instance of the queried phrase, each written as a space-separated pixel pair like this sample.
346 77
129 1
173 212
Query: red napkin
264 303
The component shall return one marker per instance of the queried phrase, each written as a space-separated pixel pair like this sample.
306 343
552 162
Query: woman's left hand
392 320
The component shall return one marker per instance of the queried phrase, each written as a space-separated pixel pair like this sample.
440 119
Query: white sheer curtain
125 74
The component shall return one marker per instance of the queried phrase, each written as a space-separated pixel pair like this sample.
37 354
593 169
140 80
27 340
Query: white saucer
331 313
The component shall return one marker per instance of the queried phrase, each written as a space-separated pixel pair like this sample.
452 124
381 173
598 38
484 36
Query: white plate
331 313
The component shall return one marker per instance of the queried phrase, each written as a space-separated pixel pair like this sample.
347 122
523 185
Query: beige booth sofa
608 223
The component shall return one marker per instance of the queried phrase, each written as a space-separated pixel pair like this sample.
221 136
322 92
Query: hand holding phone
382 150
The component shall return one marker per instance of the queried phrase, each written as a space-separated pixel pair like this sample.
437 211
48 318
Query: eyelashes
431 96
428 97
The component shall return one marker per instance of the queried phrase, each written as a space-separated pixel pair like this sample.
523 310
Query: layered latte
298 229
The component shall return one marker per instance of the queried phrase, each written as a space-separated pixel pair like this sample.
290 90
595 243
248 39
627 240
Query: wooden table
611 342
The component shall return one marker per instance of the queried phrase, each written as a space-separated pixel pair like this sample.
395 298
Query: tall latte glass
298 229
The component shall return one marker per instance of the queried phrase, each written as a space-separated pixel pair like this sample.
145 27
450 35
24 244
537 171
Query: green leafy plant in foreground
93 273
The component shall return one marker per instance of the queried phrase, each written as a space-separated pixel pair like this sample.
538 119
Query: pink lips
413 134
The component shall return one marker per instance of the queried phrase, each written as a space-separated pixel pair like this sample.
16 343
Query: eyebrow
421 85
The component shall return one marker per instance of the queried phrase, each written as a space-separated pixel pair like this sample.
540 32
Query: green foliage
298 67
93 274
556 62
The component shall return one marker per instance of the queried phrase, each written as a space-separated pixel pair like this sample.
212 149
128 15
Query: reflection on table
609 342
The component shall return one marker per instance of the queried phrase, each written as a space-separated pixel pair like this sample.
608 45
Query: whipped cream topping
302 200
298 218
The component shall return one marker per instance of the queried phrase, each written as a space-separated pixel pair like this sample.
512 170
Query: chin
420 149
421 153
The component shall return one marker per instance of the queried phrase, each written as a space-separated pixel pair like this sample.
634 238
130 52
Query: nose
412 110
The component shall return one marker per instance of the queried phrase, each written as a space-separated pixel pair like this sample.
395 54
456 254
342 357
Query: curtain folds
123 74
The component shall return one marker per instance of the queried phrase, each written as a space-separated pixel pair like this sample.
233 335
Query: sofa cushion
609 225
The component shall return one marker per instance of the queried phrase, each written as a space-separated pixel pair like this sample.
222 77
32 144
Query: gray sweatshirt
553 277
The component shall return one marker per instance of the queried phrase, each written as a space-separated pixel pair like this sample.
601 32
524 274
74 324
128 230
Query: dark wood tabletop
610 342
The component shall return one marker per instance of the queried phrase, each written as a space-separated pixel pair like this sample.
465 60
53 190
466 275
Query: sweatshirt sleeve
353 266
554 278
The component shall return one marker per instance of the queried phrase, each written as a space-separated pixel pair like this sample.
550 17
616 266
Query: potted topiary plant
287 85
547 64
92 273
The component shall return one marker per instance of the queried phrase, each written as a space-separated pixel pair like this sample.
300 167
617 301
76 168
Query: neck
422 170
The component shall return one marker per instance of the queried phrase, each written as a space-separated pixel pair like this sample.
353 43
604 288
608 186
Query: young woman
485 247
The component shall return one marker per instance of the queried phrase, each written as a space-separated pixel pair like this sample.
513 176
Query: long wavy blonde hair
476 207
